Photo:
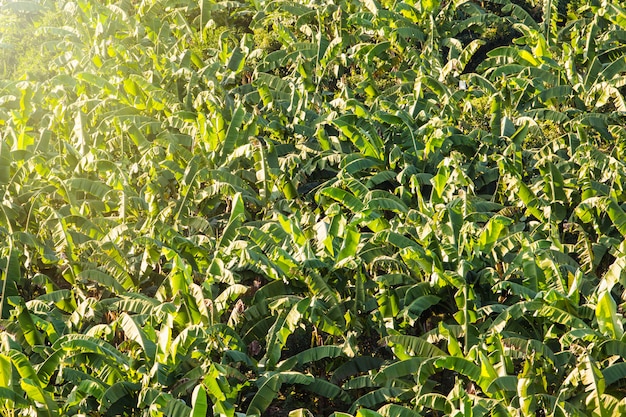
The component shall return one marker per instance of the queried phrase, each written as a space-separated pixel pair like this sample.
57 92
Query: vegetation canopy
312 208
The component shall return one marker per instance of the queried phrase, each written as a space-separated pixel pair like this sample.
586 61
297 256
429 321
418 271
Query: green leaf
429 6
265 395
461 365
405 345
62 299
493 231
504 383
237 217
108 281
123 392
617 215
441 180
24 367
487 372
388 303
595 384
344 197
606 314
76 343
6 372
10 277
614 373
284 325
355 366
395 410
320 287
5 163
529 199
27 325
519 135
496 115
17 398
366 140
397 370
233 135
51 365
199 403
374 398
312 355
327 389
390 203
435 401
236 61
41 396
134 332
364 412
350 243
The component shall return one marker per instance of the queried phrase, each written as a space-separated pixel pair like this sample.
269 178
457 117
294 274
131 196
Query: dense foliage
389 208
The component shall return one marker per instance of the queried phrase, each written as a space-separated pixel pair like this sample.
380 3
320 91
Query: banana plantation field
312 208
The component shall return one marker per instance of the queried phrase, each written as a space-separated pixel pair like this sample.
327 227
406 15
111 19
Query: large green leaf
10 276
405 346
133 331
40 396
199 402
121 393
606 314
